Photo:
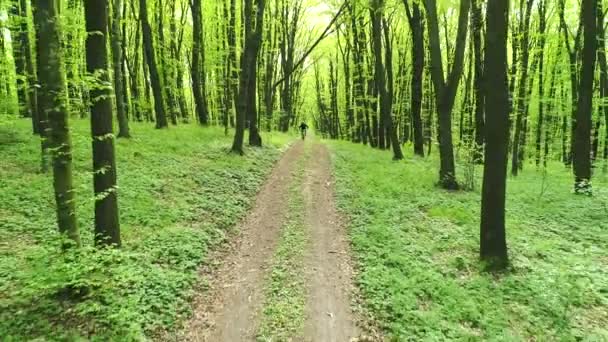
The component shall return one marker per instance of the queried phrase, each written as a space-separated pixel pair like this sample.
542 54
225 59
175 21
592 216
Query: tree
582 142
247 80
121 106
155 80
477 23
493 244
377 9
416 23
52 103
445 90
198 64
107 226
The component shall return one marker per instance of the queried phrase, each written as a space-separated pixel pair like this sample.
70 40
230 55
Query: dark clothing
303 127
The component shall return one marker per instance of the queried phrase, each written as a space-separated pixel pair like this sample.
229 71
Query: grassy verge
416 248
283 313
180 193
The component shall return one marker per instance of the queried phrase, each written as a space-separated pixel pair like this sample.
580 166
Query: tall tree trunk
493 244
418 59
445 91
478 82
121 111
256 42
198 83
253 39
582 143
542 10
157 89
107 226
522 88
18 37
53 103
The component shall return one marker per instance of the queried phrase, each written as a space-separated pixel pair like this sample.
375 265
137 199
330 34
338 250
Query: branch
325 33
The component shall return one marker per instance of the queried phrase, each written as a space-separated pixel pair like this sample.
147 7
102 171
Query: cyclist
303 129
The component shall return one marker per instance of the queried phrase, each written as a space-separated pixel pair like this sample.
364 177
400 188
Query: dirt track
229 311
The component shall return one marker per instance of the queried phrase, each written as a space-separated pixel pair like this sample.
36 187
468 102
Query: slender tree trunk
107 226
253 39
418 59
157 89
522 89
541 79
445 91
493 244
478 82
582 143
121 112
18 37
198 83
53 103
380 78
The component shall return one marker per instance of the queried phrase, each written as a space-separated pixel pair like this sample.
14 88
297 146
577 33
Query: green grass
416 248
180 194
285 293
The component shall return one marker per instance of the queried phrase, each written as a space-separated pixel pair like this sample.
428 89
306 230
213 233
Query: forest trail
329 272
230 310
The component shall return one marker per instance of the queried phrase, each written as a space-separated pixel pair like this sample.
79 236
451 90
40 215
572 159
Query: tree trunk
493 244
542 10
417 30
107 226
582 143
18 37
445 91
253 39
53 103
157 89
522 89
121 112
478 82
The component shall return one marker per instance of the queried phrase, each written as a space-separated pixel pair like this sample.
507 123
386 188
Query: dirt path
229 311
329 272
226 313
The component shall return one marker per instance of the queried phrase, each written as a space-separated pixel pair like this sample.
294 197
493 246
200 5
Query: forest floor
306 241
288 275
416 251
181 196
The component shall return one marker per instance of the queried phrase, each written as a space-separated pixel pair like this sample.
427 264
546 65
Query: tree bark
53 103
582 143
157 89
493 244
107 226
445 91
121 112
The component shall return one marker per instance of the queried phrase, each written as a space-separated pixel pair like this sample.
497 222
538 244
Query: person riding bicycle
303 129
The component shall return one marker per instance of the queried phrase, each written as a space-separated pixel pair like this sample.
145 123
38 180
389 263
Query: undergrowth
416 248
180 192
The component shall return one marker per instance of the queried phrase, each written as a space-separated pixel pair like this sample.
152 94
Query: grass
416 248
285 293
180 195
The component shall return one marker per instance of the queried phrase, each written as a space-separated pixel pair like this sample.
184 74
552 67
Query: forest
303 170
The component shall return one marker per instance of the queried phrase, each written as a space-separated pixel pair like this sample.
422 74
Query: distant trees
380 75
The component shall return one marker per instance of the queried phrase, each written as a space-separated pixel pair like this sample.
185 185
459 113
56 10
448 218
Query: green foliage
416 248
180 192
